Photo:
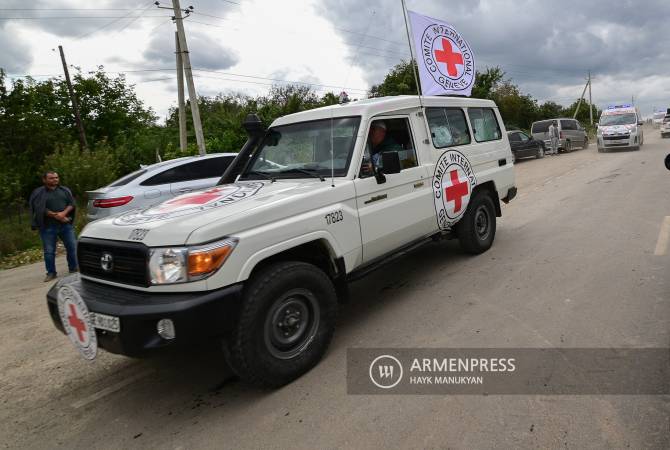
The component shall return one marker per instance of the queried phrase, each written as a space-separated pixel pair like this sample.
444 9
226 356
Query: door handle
419 184
376 198
184 190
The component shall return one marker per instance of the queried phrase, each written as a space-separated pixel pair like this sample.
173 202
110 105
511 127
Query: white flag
445 60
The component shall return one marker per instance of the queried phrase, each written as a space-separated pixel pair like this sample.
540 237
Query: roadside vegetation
37 132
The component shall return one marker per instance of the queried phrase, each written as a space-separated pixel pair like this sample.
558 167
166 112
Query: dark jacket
38 209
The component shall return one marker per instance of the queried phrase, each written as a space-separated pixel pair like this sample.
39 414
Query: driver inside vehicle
379 141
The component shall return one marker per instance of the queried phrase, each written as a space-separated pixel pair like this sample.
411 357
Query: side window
388 135
514 137
206 168
448 127
484 124
168 176
523 137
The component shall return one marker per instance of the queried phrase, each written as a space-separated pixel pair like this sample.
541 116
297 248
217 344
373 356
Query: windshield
618 119
303 149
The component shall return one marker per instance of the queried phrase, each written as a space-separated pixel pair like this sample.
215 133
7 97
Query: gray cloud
544 47
205 52
15 55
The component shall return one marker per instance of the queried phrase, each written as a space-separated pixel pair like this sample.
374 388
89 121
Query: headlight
182 264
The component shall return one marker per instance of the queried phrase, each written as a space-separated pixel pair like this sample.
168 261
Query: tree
549 110
399 81
487 82
583 114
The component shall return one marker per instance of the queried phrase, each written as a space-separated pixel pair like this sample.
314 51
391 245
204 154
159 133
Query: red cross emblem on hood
197 198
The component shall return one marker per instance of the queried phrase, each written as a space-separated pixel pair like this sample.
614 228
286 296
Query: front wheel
540 152
285 325
586 143
477 229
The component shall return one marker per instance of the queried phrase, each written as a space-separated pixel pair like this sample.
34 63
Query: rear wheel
586 143
568 147
477 229
286 322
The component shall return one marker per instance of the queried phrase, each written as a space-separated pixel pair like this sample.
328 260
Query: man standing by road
554 137
52 211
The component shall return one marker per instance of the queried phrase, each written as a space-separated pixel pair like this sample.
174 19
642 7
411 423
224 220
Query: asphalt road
576 263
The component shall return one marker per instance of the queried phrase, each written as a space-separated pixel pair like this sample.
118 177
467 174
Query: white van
321 198
620 126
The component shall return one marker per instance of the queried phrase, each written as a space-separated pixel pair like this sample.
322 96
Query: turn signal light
111 202
204 261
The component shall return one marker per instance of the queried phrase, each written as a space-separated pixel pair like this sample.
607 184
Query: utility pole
581 99
73 98
179 20
180 95
590 101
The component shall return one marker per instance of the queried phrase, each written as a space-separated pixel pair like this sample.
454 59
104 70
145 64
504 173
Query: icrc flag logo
446 61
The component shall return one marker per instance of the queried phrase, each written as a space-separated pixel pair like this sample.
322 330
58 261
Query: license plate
105 322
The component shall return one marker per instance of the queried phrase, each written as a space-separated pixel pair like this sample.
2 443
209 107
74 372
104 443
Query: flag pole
411 51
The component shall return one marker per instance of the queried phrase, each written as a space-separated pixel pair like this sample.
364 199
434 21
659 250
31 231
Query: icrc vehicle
620 126
261 260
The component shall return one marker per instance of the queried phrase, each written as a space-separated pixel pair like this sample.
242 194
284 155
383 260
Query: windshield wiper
311 173
262 174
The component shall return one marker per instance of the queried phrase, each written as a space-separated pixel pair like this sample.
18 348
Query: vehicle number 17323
334 217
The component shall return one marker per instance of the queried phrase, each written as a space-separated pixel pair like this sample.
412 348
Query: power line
73 17
112 23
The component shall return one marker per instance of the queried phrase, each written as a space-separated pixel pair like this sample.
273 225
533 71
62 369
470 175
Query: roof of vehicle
380 105
557 118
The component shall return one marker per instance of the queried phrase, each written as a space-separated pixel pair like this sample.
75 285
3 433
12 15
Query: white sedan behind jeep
261 261
156 183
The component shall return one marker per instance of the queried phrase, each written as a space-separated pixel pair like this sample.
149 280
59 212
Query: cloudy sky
247 45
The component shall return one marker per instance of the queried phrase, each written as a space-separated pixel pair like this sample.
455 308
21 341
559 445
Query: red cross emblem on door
457 190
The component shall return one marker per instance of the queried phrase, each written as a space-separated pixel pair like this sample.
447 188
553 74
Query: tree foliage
37 128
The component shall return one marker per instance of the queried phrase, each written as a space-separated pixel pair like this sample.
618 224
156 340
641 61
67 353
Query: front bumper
196 315
618 141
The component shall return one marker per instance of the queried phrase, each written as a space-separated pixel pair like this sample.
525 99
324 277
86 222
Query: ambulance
620 126
261 261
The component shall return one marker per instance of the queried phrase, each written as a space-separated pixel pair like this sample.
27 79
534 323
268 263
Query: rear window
447 127
128 178
541 127
484 124
196 170
569 124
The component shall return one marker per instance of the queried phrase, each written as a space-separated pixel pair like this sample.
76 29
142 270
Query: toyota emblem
107 262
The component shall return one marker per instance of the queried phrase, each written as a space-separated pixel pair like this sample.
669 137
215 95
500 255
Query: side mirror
391 162
640 123
667 162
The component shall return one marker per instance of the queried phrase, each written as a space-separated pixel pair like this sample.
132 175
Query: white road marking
110 389
663 237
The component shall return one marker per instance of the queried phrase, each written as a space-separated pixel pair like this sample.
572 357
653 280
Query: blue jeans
49 235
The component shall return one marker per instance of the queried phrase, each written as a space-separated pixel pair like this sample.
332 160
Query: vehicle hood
173 221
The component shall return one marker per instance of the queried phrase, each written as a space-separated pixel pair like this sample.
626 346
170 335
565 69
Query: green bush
86 170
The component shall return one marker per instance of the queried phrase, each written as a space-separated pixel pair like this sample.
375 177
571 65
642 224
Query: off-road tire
249 350
468 229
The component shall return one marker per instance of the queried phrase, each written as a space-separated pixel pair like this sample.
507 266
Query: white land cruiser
260 260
